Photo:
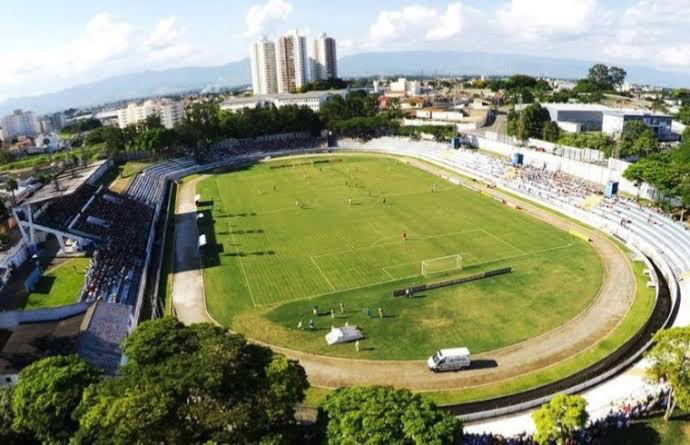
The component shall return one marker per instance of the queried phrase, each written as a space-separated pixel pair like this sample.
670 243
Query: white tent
343 335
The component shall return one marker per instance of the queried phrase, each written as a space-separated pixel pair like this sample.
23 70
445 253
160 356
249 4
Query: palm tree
11 186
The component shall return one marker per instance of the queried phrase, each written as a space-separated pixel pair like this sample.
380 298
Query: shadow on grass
44 285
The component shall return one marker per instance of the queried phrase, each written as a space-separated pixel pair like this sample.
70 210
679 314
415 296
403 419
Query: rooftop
282 96
576 107
95 334
630 112
68 184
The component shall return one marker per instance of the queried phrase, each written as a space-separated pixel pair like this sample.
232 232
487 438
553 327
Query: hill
428 63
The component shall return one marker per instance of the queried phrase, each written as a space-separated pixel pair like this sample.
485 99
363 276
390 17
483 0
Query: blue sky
52 44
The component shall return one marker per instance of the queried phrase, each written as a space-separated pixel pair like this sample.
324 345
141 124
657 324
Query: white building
406 87
311 99
19 123
588 116
614 121
263 62
323 62
171 113
50 122
291 62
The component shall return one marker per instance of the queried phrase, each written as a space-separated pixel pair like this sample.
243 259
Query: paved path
586 330
188 283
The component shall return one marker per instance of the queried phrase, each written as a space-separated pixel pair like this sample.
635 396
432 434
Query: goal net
443 264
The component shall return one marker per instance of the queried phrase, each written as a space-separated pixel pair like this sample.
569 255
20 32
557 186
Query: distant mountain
432 63
429 63
135 85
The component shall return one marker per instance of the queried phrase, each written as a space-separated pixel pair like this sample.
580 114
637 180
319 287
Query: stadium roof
629 112
576 107
95 334
68 183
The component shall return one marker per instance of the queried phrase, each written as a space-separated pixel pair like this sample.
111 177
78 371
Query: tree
193 385
47 394
617 76
557 420
637 139
201 126
552 131
670 361
684 115
11 186
8 435
599 76
532 121
383 415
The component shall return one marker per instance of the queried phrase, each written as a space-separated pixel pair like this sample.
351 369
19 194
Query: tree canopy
604 78
529 123
670 361
557 420
382 415
47 394
637 140
193 385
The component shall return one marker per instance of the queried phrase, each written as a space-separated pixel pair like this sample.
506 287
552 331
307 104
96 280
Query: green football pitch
287 235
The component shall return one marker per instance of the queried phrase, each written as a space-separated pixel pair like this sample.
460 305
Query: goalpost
443 264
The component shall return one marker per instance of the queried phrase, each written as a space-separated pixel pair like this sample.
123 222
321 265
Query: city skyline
111 38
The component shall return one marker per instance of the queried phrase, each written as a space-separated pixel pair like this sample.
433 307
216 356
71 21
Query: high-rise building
323 62
19 123
291 62
170 113
50 122
263 61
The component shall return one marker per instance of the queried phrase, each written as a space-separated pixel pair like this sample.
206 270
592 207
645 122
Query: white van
449 360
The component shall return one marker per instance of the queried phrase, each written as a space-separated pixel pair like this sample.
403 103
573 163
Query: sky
50 45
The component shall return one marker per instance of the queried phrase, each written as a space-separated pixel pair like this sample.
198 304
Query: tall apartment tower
291 62
323 61
263 62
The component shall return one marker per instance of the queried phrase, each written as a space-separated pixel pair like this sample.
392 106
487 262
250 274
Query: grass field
59 285
286 238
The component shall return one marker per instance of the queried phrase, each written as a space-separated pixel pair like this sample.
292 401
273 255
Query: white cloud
261 16
676 55
534 19
416 22
166 34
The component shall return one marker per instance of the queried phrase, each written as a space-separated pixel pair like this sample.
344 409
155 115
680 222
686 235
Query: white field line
244 272
321 272
310 297
504 242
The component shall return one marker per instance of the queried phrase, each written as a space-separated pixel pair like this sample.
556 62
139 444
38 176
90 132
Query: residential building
311 99
263 63
50 122
615 120
404 87
291 62
588 116
323 63
19 123
171 113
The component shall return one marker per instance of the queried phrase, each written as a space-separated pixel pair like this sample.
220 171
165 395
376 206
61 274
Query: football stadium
361 260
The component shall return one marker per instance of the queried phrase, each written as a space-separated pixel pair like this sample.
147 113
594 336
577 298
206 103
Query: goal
443 264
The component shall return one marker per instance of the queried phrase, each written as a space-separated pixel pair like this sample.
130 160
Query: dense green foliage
47 395
637 140
531 122
81 125
381 415
182 385
557 420
193 385
670 361
323 85
602 78
440 133
594 141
